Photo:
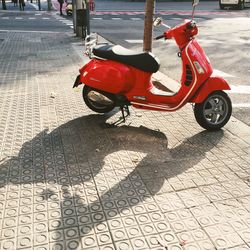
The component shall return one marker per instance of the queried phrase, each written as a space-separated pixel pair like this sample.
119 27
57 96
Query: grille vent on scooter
189 76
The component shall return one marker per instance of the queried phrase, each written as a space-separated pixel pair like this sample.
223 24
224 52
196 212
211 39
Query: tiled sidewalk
69 179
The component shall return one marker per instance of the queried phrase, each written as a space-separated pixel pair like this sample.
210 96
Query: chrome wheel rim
99 100
215 109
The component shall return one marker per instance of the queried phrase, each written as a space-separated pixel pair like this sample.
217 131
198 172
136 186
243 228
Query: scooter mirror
195 3
157 21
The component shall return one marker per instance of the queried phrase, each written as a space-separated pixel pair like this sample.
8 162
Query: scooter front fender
214 83
107 75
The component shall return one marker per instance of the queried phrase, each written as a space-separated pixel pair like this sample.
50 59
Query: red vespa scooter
118 77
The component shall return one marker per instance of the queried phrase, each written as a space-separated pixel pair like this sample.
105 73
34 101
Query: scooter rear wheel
97 100
214 112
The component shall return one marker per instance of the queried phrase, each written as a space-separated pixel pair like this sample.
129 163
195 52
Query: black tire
241 5
107 104
222 6
214 112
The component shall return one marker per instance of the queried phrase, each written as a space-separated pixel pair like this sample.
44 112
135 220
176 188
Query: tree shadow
93 171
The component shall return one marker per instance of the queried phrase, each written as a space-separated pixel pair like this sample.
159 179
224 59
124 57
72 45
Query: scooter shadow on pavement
78 155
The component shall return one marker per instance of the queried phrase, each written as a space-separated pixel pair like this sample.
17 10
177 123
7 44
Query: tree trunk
148 25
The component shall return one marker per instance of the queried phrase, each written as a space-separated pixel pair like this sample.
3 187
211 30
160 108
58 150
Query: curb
239 129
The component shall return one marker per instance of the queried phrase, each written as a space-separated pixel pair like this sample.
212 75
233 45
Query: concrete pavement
69 179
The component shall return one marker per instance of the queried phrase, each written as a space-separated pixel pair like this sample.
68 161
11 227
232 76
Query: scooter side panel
189 85
214 83
188 88
107 75
193 77
197 61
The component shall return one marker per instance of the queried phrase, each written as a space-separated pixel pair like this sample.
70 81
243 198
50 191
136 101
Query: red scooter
118 77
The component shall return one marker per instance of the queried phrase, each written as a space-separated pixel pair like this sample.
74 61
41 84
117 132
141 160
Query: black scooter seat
145 61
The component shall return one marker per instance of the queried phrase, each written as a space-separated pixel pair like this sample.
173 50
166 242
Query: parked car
239 4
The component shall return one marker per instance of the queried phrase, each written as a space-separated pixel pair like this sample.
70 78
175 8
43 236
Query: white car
239 4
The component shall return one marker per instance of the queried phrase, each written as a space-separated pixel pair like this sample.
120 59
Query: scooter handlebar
159 37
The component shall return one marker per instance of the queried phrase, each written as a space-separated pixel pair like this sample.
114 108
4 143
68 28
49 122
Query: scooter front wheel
97 100
214 112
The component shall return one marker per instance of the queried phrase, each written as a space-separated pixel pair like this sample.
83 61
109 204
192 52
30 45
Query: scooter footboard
106 75
214 83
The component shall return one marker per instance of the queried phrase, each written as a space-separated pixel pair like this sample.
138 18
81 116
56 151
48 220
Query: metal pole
88 17
79 6
74 14
148 25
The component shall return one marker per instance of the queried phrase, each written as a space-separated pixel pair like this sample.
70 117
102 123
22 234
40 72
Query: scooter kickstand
125 108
